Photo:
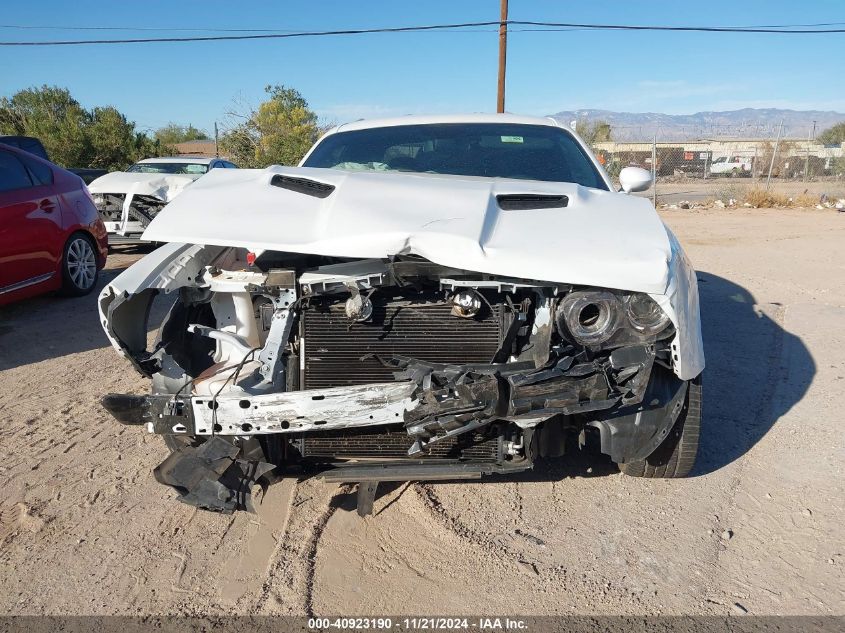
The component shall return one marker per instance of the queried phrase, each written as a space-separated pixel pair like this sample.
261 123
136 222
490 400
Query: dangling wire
232 376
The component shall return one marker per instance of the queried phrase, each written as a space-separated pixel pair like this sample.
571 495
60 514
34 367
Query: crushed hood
599 238
162 186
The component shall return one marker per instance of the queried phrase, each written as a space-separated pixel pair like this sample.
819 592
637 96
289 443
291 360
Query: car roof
28 144
418 119
196 160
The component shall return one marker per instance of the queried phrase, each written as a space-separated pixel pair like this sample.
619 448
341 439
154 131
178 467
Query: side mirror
634 179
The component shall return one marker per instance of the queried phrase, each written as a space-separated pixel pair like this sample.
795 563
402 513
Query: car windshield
490 150
168 168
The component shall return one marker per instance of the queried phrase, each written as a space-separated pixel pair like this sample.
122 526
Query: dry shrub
805 200
761 198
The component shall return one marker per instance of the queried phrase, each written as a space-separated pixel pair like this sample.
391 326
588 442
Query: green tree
592 133
833 135
51 114
72 135
111 140
171 134
279 132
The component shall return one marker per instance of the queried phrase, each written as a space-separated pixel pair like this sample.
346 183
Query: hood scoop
302 185
530 201
550 231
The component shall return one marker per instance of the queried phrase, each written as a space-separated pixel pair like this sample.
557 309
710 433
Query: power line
436 27
699 29
35 27
217 38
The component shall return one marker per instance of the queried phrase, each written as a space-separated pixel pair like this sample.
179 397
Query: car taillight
250 258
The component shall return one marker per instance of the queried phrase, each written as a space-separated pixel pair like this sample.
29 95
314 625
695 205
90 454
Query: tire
675 457
79 266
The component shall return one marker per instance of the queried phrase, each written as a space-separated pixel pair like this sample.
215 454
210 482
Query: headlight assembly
644 315
590 316
603 318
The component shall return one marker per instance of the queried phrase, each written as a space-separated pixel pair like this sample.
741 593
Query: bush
762 198
72 135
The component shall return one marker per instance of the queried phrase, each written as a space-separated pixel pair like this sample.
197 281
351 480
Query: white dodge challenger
439 297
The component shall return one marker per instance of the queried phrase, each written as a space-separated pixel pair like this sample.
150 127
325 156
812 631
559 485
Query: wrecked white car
129 200
423 298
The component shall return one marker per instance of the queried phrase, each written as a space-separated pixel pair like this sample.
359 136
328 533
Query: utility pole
503 55
654 170
216 144
774 155
807 157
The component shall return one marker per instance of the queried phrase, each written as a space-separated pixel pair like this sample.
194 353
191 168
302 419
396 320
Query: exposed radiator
375 443
333 347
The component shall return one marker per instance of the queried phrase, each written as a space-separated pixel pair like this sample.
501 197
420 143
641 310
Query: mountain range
745 123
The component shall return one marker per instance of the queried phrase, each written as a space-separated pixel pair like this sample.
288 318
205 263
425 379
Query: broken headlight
644 315
590 316
596 317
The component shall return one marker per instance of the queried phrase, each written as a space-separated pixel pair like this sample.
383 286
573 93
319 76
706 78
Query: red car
51 236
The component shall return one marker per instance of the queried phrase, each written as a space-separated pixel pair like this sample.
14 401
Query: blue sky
345 78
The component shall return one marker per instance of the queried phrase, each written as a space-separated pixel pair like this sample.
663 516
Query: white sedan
129 200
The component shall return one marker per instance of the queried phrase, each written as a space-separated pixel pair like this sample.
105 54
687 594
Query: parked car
732 165
129 200
51 237
423 298
34 146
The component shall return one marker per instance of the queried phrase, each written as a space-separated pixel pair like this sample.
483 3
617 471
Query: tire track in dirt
760 411
763 410
451 522
289 587
543 577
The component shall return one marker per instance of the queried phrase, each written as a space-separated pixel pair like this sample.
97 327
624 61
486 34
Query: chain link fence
777 170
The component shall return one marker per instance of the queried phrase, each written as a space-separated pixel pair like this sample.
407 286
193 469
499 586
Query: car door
30 225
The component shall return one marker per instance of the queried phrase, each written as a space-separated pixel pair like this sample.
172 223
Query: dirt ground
84 528
698 190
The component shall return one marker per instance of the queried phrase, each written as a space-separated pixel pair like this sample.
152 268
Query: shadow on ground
756 371
50 326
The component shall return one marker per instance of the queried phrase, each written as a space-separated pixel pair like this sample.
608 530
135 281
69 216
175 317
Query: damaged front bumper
349 369
127 215
435 403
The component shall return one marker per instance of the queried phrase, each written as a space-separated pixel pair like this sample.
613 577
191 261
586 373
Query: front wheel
675 457
79 266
